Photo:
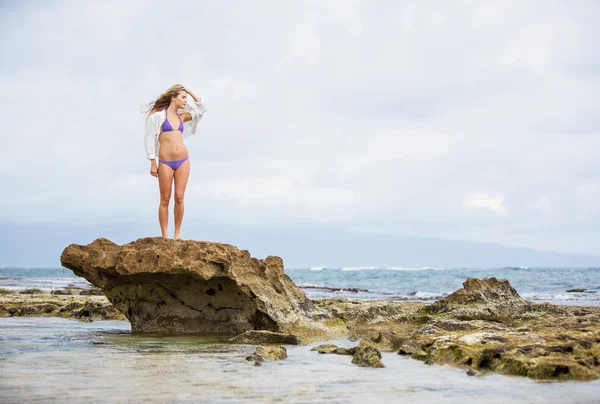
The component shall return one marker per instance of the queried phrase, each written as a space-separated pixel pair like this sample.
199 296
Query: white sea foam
358 268
413 269
392 268
428 295
317 268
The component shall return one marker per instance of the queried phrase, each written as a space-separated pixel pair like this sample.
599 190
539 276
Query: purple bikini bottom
174 164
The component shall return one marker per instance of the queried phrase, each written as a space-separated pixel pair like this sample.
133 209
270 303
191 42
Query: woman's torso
171 142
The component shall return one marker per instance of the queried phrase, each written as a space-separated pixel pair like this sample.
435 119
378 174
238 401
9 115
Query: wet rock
367 355
452 325
91 292
427 330
265 337
345 351
90 310
579 290
64 292
165 285
267 353
333 349
357 315
32 291
325 348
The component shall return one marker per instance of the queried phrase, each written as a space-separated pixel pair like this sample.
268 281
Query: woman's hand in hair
187 90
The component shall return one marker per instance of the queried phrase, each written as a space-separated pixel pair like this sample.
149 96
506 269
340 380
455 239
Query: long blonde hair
164 100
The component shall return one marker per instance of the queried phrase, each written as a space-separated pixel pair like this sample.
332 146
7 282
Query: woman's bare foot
176 236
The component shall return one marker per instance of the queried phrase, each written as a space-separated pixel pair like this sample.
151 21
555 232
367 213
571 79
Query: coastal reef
483 327
165 285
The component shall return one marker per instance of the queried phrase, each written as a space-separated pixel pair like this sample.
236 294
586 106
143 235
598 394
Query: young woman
171 119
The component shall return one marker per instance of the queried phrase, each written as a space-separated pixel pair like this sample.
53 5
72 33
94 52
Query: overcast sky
462 120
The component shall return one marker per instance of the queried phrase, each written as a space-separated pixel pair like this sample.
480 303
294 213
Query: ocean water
423 284
395 283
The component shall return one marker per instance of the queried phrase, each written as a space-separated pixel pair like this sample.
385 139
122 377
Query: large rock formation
482 299
483 327
165 285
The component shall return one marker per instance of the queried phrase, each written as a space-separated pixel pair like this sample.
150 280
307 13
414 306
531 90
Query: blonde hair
164 100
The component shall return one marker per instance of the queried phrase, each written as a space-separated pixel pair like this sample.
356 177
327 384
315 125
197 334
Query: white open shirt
155 121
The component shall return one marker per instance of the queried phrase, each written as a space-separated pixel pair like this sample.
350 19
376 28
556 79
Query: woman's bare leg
181 178
165 182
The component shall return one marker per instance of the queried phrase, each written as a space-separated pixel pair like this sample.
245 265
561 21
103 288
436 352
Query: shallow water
52 359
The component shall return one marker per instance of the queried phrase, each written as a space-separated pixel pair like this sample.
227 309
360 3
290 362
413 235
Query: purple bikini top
166 126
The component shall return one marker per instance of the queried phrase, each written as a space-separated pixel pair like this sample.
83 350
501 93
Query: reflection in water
64 360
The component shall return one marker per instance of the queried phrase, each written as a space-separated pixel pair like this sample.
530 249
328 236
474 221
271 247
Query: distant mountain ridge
37 245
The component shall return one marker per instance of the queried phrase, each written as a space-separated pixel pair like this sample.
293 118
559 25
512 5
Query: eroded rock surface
165 285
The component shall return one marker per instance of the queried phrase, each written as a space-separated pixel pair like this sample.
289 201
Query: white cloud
495 202
385 116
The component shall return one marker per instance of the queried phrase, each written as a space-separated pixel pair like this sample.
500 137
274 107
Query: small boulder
325 348
366 355
578 290
333 349
267 353
257 337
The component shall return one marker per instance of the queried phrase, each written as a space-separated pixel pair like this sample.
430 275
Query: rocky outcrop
165 285
257 337
484 327
267 353
541 354
481 299
85 309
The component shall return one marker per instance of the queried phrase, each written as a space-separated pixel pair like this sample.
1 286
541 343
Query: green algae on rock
267 353
367 355
333 349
